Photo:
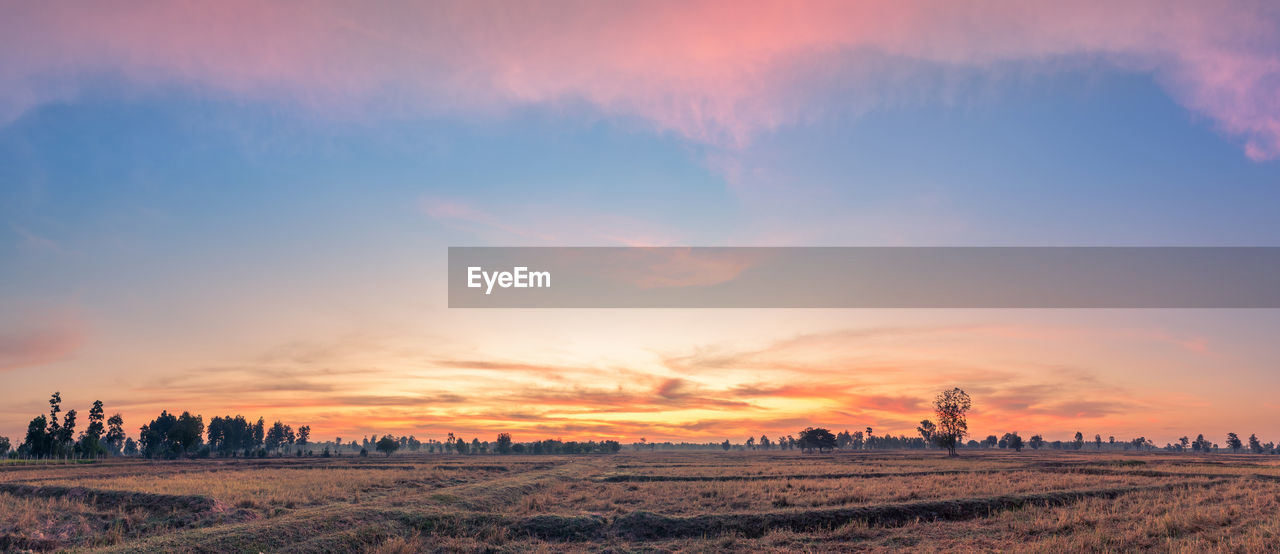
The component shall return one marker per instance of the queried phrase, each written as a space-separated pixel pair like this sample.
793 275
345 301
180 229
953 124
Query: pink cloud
718 72
47 340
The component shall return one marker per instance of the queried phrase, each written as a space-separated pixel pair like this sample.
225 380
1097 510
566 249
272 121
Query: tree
188 432
387 444
725 445
1097 442
990 442
1233 442
926 430
66 435
764 442
304 435
751 443
817 438
54 430
1079 442
1184 443
154 438
844 440
504 443
115 434
277 436
259 433
1255 445
36 443
4 445
1036 442
91 440
130 447
1012 440
950 407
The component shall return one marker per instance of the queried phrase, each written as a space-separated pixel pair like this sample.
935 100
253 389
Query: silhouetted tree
188 433
54 430
1097 442
4 445
259 433
764 442
1012 440
154 437
387 444
725 445
504 443
1233 442
1078 443
990 442
130 447
926 430
816 438
91 440
1184 443
1036 442
115 434
950 407
1255 445
66 435
277 436
304 435
36 443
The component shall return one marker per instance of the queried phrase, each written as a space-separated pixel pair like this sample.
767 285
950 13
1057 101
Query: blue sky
158 222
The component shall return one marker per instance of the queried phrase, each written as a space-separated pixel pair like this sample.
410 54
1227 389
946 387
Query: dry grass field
650 501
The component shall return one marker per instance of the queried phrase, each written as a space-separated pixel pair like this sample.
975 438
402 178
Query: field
650 501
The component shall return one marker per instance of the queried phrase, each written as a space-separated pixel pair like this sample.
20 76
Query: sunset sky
244 207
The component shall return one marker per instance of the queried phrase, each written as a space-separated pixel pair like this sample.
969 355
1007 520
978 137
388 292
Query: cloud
43 340
713 71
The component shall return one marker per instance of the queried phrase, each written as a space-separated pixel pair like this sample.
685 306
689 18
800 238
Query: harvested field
986 500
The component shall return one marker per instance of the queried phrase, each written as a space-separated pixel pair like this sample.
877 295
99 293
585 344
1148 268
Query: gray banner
818 277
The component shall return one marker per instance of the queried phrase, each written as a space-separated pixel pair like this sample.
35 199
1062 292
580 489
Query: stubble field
650 501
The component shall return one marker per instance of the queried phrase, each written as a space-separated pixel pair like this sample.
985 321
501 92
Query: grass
695 501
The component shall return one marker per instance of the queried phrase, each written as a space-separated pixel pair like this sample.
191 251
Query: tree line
950 408
51 437
172 436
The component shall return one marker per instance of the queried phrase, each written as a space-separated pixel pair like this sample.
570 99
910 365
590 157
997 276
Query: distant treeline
186 435
173 436
858 441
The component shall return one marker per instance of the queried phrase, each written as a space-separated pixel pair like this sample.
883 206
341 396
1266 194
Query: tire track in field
649 526
640 477
343 526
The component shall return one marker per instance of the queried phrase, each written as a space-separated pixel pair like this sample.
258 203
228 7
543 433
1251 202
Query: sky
244 207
